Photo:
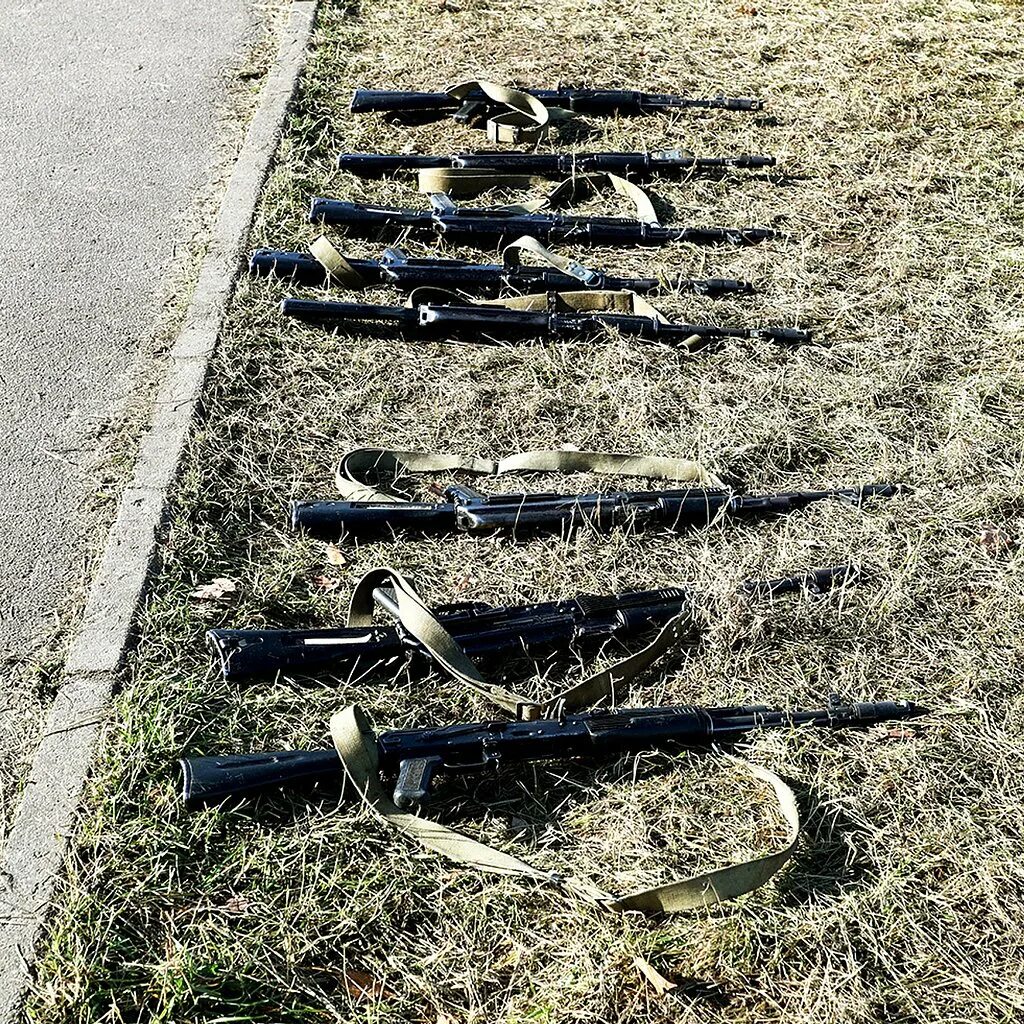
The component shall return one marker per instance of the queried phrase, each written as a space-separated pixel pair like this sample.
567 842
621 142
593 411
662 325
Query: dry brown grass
901 125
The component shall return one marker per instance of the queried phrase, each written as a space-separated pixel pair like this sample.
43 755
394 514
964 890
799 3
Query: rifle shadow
830 857
534 802
779 178
573 132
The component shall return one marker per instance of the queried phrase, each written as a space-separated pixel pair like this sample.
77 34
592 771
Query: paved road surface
107 133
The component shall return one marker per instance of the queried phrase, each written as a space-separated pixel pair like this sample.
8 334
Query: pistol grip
471 111
415 776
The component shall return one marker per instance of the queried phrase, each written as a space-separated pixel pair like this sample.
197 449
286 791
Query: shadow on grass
827 862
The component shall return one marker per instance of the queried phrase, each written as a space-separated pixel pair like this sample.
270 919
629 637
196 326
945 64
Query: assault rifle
476 105
467 510
432 321
489 227
396 269
663 163
413 757
481 631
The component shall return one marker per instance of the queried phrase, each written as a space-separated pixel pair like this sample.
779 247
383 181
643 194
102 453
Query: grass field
899 129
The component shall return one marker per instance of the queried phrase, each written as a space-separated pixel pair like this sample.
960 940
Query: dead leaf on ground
658 981
336 556
464 583
215 590
899 732
326 582
995 541
237 905
362 985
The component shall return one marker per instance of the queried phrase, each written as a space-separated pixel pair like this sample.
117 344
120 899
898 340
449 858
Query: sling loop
511 258
590 300
573 188
526 119
420 622
354 741
340 271
358 467
460 182
336 267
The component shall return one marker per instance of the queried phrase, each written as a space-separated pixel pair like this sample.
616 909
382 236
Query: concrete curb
39 839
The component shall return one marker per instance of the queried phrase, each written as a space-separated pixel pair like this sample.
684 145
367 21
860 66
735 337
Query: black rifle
477 105
396 269
665 163
481 630
413 757
499 324
486 228
469 511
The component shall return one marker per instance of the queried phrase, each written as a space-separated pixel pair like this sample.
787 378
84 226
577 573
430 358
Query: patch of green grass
900 125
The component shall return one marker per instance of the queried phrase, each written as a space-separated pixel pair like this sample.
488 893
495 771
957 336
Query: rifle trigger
470 111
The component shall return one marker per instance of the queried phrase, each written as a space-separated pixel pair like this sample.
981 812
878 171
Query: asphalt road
108 129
